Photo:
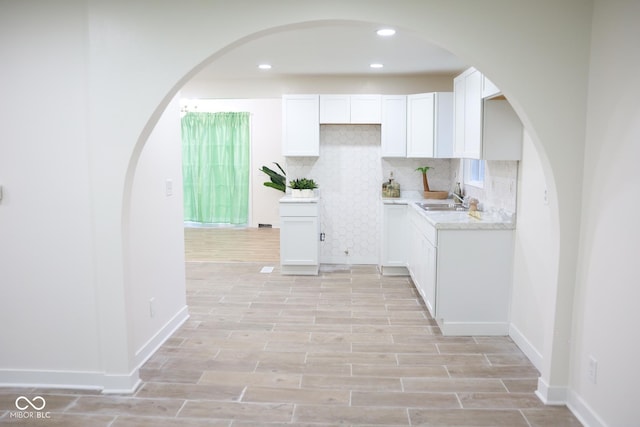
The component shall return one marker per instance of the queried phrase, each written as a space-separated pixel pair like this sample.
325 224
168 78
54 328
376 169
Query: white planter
307 193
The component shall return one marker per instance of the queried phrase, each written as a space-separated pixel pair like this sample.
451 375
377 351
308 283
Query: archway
143 138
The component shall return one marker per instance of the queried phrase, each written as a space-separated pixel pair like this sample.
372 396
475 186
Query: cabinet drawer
298 209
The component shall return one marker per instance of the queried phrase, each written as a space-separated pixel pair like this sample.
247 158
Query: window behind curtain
215 167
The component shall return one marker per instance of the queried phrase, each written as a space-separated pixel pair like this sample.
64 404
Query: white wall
270 88
607 313
156 280
534 261
47 297
536 51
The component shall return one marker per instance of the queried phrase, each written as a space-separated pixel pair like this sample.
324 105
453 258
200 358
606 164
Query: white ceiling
333 49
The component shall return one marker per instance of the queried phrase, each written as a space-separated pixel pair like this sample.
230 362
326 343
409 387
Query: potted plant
277 180
302 187
428 194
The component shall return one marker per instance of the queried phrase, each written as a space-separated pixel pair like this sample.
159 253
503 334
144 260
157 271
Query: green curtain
215 167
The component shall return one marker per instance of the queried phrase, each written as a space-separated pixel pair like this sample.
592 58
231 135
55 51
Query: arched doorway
142 139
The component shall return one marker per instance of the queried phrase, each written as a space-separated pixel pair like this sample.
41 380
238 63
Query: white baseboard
474 328
151 346
88 380
75 380
58 379
583 412
551 395
525 345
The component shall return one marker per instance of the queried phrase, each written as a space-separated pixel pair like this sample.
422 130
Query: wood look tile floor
348 347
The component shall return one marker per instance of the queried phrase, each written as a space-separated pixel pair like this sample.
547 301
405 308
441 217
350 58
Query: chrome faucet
455 196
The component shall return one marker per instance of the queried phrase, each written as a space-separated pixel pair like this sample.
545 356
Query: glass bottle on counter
391 188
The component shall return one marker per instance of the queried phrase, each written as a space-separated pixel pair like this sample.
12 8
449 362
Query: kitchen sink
440 207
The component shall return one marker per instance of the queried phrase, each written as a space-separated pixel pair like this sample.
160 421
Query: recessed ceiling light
264 66
386 32
376 65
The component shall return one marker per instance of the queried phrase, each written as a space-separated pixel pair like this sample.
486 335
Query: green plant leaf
280 187
277 181
281 170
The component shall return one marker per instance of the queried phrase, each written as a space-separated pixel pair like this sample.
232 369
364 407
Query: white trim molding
525 345
154 343
583 412
91 380
76 380
551 395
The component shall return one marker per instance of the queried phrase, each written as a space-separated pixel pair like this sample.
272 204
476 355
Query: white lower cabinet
463 276
299 238
422 258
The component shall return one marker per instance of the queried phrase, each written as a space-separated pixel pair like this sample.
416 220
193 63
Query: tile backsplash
500 185
350 172
349 177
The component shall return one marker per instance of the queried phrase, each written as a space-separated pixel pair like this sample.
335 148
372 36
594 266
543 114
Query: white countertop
457 220
289 199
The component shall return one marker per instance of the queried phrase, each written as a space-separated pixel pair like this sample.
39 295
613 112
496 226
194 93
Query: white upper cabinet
300 125
366 109
350 109
430 125
486 129
335 109
393 132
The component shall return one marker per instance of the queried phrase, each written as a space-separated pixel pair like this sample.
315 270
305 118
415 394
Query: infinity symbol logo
31 403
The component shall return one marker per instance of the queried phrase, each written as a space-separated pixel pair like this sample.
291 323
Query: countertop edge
290 199
465 222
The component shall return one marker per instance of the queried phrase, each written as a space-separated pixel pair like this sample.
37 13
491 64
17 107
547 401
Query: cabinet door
393 131
429 278
300 125
366 109
335 109
420 125
473 115
299 240
394 236
414 248
443 128
458 115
